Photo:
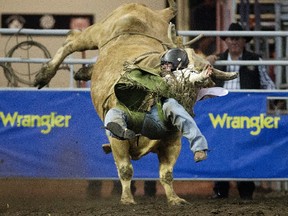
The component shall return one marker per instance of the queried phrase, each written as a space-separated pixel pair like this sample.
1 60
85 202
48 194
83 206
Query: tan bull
130 31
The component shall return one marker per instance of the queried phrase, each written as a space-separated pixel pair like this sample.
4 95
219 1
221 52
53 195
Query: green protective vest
136 91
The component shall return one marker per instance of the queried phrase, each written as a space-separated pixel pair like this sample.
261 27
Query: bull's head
200 64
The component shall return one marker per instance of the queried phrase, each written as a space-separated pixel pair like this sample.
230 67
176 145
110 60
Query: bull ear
170 12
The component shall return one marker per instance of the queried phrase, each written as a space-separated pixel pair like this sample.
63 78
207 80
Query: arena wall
98 8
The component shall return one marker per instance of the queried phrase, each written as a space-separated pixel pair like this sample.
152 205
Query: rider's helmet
177 57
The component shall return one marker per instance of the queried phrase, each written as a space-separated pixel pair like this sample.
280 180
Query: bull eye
179 59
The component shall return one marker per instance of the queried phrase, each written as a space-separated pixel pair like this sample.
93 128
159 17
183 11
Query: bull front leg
167 158
120 150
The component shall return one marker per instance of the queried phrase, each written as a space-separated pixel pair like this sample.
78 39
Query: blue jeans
154 128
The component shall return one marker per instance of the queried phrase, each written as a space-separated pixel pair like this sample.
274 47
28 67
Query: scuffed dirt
22 197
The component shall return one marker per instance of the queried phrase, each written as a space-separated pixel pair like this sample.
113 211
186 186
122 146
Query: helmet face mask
177 57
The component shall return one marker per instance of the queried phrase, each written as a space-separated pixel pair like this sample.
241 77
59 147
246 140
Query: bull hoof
127 202
44 76
178 201
84 73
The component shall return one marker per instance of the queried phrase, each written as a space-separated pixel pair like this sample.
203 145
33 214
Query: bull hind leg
167 158
120 150
76 41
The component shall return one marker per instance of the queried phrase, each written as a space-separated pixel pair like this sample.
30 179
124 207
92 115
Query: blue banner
57 134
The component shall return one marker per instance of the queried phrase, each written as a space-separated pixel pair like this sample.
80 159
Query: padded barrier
57 134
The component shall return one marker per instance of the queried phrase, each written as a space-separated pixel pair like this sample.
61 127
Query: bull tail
173 6
170 12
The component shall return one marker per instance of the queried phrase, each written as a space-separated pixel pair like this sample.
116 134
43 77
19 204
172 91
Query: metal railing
281 47
278 35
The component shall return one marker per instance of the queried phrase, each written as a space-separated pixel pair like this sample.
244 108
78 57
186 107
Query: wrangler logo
256 123
46 121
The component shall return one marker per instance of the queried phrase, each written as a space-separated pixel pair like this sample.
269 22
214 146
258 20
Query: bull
129 32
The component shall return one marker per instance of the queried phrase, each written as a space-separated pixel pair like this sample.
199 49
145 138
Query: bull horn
221 75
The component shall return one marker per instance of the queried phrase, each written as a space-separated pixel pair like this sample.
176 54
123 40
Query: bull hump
130 23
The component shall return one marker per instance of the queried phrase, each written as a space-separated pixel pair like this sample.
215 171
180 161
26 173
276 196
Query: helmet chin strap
179 65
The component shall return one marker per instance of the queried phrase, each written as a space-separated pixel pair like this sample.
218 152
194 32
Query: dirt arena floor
69 197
